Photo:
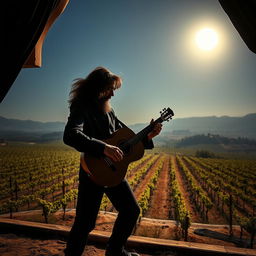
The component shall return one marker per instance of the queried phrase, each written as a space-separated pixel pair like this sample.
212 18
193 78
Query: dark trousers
88 204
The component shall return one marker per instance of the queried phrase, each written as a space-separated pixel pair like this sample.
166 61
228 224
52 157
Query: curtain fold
24 22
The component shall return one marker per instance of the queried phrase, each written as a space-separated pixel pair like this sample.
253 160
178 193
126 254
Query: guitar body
105 172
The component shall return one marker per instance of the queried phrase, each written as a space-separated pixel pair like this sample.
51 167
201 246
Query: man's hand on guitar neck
113 152
156 130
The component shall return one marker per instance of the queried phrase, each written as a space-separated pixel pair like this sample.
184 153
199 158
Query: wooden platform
58 231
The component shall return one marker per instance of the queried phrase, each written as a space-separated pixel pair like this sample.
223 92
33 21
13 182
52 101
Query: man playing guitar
91 121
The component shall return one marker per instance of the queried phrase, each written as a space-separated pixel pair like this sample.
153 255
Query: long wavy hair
94 86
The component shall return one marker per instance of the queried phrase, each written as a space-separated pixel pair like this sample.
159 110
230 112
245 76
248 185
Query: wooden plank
136 241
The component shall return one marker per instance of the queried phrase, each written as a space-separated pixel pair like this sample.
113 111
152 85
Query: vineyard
182 188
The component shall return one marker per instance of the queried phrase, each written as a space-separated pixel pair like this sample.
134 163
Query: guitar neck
166 114
143 133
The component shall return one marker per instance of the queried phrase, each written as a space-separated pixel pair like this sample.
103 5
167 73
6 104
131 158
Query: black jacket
87 126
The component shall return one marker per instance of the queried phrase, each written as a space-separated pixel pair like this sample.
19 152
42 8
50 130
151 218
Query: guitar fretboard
143 133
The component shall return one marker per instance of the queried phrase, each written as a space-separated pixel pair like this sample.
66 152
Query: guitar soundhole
125 147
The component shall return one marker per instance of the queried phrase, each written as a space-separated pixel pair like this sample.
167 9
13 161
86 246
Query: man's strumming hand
113 152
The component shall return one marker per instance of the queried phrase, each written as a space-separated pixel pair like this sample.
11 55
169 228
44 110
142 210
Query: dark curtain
242 14
24 22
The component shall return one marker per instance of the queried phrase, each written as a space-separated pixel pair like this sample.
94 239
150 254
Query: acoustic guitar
105 172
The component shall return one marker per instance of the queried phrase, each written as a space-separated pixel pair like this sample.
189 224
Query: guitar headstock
166 114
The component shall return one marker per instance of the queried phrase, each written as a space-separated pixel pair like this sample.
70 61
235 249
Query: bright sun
206 39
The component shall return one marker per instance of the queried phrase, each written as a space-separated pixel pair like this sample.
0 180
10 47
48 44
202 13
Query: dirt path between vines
110 207
143 184
160 203
133 173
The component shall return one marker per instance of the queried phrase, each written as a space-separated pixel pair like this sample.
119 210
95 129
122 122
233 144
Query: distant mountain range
7 124
245 126
28 130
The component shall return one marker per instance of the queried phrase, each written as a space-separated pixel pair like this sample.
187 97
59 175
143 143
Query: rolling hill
245 126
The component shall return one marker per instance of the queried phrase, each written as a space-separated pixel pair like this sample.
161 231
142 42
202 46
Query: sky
151 45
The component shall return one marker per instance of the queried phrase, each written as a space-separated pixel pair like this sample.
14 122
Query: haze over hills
245 126
7 124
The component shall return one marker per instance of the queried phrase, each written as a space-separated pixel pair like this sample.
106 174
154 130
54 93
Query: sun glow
203 44
206 39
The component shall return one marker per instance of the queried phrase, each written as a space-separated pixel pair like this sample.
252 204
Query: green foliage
204 154
182 215
48 207
37 171
214 139
144 199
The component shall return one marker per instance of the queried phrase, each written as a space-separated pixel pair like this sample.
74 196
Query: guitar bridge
110 164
